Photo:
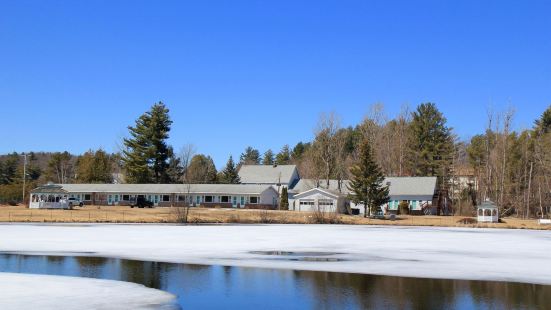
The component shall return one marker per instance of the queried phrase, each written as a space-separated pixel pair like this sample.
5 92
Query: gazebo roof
487 205
50 189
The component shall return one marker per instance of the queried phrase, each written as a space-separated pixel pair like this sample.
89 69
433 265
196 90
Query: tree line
512 168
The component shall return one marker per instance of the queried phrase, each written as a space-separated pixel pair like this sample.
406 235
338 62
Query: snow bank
449 253
22 291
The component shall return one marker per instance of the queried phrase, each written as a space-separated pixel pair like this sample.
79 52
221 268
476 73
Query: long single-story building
260 188
224 195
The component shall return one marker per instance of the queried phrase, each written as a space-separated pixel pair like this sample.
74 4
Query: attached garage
318 199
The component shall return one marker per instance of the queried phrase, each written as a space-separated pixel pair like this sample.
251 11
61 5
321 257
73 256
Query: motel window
87 197
254 200
225 199
182 198
209 199
125 197
166 198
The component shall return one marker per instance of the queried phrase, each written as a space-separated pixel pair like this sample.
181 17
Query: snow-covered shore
449 253
23 291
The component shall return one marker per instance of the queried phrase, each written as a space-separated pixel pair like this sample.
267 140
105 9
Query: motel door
109 199
234 201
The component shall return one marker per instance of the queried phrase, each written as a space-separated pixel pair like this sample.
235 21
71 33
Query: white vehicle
73 202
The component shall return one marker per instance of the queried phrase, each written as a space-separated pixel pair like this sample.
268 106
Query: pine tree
431 145
367 180
268 158
229 174
299 150
251 156
284 156
94 167
284 200
146 152
175 170
543 124
8 169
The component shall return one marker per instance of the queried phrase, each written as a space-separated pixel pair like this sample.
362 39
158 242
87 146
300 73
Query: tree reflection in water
232 287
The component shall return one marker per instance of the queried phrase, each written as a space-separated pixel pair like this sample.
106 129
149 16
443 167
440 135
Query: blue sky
75 74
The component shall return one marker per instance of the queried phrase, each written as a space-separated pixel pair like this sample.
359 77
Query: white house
417 192
224 195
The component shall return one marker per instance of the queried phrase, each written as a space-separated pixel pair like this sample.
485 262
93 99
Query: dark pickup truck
141 202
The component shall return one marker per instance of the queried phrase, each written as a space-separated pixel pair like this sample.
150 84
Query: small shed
488 212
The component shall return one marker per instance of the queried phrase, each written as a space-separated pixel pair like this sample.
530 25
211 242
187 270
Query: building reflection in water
216 286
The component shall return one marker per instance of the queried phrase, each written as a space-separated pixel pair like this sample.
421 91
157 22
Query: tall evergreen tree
229 174
175 170
251 156
543 124
8 169
268 158
284 156
367 180
299 150
284 199
431 145
146 152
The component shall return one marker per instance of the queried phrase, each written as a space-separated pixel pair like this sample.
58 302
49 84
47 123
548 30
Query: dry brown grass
111 214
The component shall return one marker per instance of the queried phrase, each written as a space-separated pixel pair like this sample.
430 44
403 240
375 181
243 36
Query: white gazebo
488 212
49 196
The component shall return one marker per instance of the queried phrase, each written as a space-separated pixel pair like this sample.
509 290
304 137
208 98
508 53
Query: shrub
10 193
324 217
403 207
467 220
234 218
265 217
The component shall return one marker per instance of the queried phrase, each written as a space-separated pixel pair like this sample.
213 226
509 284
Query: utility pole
24 174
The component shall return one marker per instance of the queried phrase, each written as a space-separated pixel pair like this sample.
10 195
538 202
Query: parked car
73 202
141 202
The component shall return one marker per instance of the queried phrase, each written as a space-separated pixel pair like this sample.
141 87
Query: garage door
307 205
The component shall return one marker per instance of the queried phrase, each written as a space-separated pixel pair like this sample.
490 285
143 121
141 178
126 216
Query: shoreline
207 216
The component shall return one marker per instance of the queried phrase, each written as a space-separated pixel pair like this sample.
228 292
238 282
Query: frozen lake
297 266
443 253
217 287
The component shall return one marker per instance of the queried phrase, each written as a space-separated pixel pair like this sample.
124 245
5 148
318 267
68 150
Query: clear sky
75 74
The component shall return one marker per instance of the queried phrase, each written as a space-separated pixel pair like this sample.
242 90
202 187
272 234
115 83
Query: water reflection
231 287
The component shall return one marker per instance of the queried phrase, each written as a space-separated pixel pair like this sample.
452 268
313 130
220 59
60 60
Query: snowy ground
451 253
22 291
